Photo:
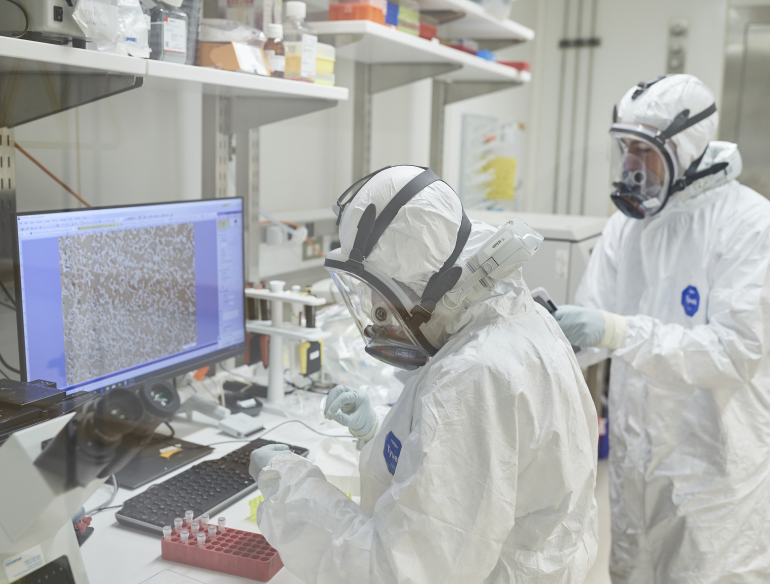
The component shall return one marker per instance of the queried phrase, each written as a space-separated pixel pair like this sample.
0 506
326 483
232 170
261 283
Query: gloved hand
591 327
261 456
351 408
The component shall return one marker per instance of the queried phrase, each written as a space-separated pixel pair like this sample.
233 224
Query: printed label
250 59
309 52
24 563
496 244
174 35
277 62
391 452
690 300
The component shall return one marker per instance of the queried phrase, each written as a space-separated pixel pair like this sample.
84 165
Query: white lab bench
115 554
562 258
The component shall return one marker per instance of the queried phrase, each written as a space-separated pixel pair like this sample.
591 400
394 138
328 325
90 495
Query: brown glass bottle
274 50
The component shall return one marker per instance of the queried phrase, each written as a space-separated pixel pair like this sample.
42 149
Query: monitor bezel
165 372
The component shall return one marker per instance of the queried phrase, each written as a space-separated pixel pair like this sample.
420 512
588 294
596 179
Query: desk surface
119 555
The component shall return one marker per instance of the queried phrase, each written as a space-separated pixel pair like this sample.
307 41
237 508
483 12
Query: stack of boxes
324 64
409 17
373 10
391 14
428 27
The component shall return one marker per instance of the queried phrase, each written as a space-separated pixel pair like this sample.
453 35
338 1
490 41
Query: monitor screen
112 296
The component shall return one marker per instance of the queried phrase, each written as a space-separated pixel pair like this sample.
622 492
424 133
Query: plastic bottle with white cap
300 43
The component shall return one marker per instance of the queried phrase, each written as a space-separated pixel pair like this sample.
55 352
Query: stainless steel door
746 95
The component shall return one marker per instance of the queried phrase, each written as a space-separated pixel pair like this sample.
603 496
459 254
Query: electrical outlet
308 253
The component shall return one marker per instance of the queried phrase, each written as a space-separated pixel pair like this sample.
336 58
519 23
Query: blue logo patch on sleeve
690 300
391 452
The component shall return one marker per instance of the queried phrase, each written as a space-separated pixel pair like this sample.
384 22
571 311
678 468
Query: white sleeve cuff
615 328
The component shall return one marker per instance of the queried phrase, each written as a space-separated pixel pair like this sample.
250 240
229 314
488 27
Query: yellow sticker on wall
502 187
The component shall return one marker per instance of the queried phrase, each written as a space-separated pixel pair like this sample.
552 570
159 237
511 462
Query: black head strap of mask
370 229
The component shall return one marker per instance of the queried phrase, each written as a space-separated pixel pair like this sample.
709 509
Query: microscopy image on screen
128 297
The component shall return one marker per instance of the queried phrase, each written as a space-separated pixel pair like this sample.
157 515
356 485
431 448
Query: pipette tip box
235 552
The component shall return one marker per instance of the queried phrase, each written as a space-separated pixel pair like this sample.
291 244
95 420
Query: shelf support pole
374 78
7 193
448 92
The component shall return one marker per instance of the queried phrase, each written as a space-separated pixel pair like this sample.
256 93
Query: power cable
7 366
109 501
26 20
8 294
49 173
8 306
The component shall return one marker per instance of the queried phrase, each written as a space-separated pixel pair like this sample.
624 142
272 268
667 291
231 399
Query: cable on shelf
49 173
7 366
8 294
26 20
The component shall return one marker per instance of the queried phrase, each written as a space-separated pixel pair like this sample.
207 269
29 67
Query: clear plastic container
300 44
275 50
168 34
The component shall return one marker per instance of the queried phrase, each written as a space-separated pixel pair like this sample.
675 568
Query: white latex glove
351 408
591 327
261 456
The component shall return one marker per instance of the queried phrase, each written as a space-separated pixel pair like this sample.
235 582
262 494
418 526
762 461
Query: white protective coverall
689 400
496 440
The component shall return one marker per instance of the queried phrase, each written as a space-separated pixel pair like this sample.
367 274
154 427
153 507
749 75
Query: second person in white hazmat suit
484 470
681 296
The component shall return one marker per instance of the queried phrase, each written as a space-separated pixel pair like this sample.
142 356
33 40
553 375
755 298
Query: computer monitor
111 296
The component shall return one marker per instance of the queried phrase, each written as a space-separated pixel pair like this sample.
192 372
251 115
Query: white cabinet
561 260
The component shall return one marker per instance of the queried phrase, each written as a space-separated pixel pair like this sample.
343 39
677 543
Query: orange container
427 31
356 12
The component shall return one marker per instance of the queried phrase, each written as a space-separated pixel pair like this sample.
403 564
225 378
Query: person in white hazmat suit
484 470
678 290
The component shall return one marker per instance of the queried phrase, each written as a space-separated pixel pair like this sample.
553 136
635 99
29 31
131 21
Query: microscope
51 469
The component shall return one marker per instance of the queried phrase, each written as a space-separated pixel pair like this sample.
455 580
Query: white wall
140 146
633 48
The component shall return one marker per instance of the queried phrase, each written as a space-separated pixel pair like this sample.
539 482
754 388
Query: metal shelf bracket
26 96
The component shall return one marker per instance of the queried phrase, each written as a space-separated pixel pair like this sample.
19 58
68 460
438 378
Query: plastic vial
300 43
178 524
204 520
221 522
184 535
201 540
167 533
274 50
194 527
168 34
212 532
188 517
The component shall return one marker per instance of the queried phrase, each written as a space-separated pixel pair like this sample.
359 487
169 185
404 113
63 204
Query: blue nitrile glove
591 327
261 456
351 408
583 327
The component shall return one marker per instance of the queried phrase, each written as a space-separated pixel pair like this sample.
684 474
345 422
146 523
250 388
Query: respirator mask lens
386 335
639 173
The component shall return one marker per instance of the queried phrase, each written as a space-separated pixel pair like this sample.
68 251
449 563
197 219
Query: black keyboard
207 487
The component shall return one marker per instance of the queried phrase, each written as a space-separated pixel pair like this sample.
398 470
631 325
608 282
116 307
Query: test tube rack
235 552
277 329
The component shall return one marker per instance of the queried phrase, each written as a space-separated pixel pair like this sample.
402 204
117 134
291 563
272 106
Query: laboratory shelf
371 43
18 55
217 82
476 23
39 79
290 331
